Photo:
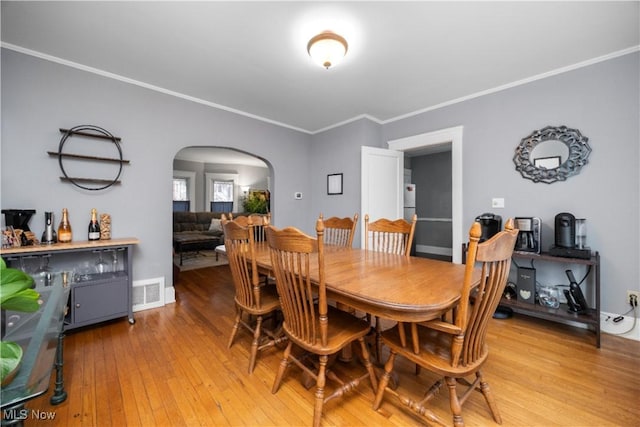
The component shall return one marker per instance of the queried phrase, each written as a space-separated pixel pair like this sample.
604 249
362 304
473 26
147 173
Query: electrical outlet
631 294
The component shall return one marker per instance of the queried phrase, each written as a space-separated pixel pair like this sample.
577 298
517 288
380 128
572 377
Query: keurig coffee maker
490 224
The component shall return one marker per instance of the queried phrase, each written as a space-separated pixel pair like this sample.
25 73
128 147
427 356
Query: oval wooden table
395 287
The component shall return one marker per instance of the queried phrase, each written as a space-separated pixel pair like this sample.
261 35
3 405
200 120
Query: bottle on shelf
49 235
64 229
94 226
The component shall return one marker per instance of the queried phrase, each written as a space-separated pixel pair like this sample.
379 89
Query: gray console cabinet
99 292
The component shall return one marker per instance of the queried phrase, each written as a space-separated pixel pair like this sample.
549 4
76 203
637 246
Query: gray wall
39 97
601 100
338 151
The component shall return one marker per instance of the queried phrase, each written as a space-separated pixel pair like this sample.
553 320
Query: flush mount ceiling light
327 48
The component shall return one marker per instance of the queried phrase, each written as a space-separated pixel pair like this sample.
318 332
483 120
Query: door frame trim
451 135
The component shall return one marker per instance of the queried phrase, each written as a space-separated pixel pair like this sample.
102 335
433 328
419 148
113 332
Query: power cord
618 319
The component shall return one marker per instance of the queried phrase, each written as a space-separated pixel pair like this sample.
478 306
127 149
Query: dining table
390 286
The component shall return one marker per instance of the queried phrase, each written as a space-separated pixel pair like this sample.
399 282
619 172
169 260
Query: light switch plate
297 195
497 202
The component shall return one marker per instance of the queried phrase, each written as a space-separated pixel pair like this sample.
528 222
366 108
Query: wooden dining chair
391 236
251 297
456 350
315 327
339 231
260 221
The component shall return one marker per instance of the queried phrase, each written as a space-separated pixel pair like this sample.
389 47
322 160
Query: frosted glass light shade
327 49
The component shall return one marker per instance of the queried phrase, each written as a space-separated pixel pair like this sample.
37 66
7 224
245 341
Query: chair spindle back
294 255
339 231
240 251
385 235
494 258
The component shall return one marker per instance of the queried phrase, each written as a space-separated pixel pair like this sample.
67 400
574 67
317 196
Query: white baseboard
169 295
436 250
622 328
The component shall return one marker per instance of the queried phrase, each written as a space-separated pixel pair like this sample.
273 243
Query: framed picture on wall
547 162
334 183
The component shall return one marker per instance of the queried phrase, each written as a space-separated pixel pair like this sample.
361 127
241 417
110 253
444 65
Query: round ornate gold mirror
552 154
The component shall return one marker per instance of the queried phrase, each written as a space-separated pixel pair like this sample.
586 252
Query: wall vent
148 294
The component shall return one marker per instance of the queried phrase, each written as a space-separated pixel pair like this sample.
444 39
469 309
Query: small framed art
334 183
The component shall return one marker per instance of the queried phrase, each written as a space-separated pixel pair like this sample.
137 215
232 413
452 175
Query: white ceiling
250 57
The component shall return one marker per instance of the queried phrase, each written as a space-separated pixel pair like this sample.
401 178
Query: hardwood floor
173 368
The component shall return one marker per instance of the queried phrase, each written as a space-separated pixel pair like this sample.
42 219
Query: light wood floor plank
173 368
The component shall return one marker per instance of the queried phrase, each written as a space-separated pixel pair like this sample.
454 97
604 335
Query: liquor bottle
94 226
64 229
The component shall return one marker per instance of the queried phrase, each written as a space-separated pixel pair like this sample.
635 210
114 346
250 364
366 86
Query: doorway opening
449 139
217 179
207 183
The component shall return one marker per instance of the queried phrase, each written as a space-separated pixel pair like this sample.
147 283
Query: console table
99 272
591 318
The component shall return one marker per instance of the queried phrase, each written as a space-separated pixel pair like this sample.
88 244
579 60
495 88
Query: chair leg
384 380
284 364
254 345
378 339
454 402
236 326
366 359
320 384
486 392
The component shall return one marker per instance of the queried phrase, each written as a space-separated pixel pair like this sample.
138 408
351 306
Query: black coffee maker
565 230
565 238
490 224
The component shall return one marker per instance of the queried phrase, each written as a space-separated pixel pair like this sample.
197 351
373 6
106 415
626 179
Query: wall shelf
92 132
91 135
83 157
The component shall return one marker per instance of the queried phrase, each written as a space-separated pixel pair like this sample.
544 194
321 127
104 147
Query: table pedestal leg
59 393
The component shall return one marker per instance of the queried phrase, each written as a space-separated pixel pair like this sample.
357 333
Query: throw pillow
216 225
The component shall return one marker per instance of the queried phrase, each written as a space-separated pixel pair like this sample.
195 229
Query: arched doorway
207 182
209 179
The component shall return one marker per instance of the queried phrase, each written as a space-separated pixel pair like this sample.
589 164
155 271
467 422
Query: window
183 190
223 191
222 196
179 189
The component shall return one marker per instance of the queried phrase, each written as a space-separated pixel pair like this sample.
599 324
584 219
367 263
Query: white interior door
381 185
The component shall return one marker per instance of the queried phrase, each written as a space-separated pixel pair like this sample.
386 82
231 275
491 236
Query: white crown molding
124 79
518 83
336 125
